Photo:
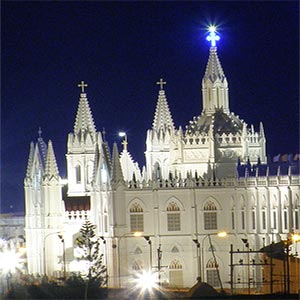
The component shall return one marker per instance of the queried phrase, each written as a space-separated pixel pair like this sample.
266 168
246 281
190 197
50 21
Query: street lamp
219 234
196 241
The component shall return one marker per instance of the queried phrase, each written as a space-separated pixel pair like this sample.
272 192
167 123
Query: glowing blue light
213 37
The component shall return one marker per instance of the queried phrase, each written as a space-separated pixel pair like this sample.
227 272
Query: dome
222 123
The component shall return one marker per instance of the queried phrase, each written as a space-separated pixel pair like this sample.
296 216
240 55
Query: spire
51 169
30 160
162 118
261 129
116 170
84 121
214 82
42 146
214 69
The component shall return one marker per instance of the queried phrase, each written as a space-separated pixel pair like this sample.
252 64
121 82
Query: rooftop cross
82 85
161 83
213 37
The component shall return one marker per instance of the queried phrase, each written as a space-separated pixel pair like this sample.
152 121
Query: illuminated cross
82 85
161 83
212 38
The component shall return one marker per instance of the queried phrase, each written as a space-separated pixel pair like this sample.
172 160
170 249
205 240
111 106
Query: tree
89 244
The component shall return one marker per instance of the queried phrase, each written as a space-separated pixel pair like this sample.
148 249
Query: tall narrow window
285 219
210 216
274 219
78 174
253 220
173 217
232 220
296 221
136 218
243 219
264 221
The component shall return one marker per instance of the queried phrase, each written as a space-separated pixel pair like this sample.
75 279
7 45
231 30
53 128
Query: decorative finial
125 142
103 133
213 37
40 132
161 83
82 85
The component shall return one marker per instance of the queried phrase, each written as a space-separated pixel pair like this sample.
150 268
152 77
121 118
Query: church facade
171 216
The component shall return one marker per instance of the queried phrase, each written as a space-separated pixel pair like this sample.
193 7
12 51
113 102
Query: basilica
201 209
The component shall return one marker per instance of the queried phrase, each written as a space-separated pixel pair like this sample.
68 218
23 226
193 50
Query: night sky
121 49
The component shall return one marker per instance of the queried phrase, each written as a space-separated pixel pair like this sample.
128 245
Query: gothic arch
175 264
173 200
285 201
211 202
137 265
253 201
157 170
137 204
263 202
242 202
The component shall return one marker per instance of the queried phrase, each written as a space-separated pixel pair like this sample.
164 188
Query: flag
296 157
284 157
276 158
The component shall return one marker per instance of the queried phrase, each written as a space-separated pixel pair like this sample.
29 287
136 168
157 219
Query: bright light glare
137 233
10 261
122 133
296 237
146 281
212 28
222 234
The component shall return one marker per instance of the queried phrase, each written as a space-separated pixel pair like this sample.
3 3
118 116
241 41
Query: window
232 220
173 217
285 220
210 216
136 218
78 174
264 221
175 274
296 222
243 219
253 220
274 219
212 273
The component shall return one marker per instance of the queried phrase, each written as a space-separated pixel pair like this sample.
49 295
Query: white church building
206 178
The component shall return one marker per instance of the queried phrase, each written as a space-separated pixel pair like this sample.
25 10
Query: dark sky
121 49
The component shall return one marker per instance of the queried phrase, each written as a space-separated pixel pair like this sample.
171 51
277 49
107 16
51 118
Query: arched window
157 171
173 217
136 218
212 273
175 274
210 216
78 174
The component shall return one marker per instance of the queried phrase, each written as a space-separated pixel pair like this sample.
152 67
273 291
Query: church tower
81 149
159 139
44 208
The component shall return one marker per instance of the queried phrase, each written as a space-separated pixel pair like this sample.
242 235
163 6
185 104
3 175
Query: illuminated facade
190 189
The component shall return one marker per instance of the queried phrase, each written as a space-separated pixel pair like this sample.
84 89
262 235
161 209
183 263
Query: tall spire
84 121
30 160
116 170
162 118
214 82
51 169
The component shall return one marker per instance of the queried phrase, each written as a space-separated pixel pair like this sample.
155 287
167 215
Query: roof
222 123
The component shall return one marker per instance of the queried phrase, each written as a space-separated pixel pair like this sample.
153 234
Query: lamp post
147 238
59 233
196 241
219 234
134 234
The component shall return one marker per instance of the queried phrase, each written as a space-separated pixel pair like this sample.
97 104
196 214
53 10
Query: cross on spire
161 83
82 85
213 37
